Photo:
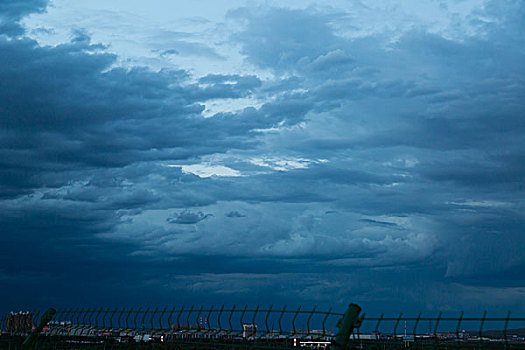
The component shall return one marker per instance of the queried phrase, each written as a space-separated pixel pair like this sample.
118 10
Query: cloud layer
379 167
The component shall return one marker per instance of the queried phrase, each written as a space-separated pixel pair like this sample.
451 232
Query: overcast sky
276 152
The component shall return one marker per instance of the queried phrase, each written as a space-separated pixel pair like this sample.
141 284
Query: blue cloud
187 217
280 38
12 11
392 160
235 214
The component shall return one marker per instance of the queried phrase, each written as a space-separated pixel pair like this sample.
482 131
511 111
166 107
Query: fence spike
71 313
161 316
255 314
91 315
309 318
242 317
294 318
144 318
505 330
280 318
83 314
379 322
219 317
437 324
104 319
169 318
74 321
130 311
80 327
57 315
266 319
459 325
111 318
324 320
153 316
208 318
35 318
197 319
415 327
481 325
397 323
188 318
120 316
230 318
135 318
4 318
178 317
98 312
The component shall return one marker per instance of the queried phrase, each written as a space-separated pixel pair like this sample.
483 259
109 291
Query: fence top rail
203 310
466 319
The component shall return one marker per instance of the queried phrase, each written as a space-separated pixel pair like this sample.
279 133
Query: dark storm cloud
78 138
372 167
65 109
461 129
301 36
11 11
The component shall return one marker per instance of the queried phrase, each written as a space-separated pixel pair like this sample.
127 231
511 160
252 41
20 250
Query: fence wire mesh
230 326
439 332
256 328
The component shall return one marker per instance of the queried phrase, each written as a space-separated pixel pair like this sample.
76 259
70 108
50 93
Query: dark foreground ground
83 343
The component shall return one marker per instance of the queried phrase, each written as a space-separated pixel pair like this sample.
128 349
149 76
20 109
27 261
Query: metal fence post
30 340
346 325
